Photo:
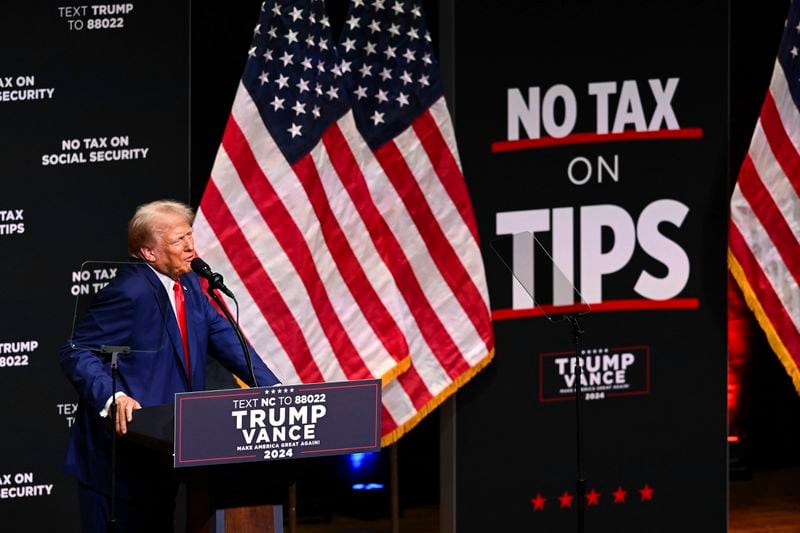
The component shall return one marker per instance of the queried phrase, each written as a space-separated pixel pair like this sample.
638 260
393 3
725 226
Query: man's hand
125 407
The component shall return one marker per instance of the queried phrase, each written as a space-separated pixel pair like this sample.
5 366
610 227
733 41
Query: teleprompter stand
114 352
540 283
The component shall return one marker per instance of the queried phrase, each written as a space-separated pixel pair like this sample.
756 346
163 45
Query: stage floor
767 503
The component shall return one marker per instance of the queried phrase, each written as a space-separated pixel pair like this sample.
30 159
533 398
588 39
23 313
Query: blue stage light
368 486
359 460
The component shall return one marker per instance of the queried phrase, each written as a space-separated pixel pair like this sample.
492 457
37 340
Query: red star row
593 497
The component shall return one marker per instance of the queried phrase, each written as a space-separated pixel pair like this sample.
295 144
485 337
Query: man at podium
156 305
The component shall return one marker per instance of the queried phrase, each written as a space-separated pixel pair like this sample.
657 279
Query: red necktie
180 311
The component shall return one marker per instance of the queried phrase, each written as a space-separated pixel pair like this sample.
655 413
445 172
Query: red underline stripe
587 138
609 305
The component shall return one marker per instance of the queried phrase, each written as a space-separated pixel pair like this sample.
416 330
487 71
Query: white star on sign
296 14
306 63
366 70
252 52
286 58
398 8
374 26
402 99
324 22
302 85
406 77
291 36
361 92
409 55
416 12
273 32
315 111
268 55
345 66
378 4
264 78
277 10
413 34
282 81
299 109
386 74
381 96
370 48
394 29
377 118
423 80
390 52
793 51
332 93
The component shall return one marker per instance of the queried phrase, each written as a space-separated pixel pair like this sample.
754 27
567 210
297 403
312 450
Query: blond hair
140 227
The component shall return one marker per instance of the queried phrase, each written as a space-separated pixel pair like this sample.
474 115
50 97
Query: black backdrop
133 82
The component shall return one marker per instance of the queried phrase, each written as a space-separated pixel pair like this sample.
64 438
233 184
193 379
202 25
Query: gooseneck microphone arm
215 281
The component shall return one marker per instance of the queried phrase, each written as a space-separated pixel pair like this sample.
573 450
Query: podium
239 450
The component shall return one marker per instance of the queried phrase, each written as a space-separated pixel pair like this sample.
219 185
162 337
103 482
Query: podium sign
273 423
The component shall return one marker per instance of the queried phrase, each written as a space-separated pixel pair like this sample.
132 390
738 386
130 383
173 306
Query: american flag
764 241
337 211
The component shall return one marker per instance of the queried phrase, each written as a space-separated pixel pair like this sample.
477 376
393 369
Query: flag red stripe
446 167
388 423
264 293
439 247
412 383
782 146
392 254
364 294
769 300
771 218
295 247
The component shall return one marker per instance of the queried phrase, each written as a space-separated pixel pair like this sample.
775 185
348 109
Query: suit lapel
168 313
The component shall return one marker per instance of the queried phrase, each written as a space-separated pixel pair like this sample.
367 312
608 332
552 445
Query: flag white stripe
790 116
253 324
274 261
446 214
775 180
766 255
295 200
386 200
381 279
441 116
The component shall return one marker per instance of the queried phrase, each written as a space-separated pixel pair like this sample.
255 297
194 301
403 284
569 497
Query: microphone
202 269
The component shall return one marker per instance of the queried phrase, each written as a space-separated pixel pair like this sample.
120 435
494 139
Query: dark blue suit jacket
134 310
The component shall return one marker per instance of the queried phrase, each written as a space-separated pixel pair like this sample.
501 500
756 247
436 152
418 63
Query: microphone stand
115 351
214 296
580 482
